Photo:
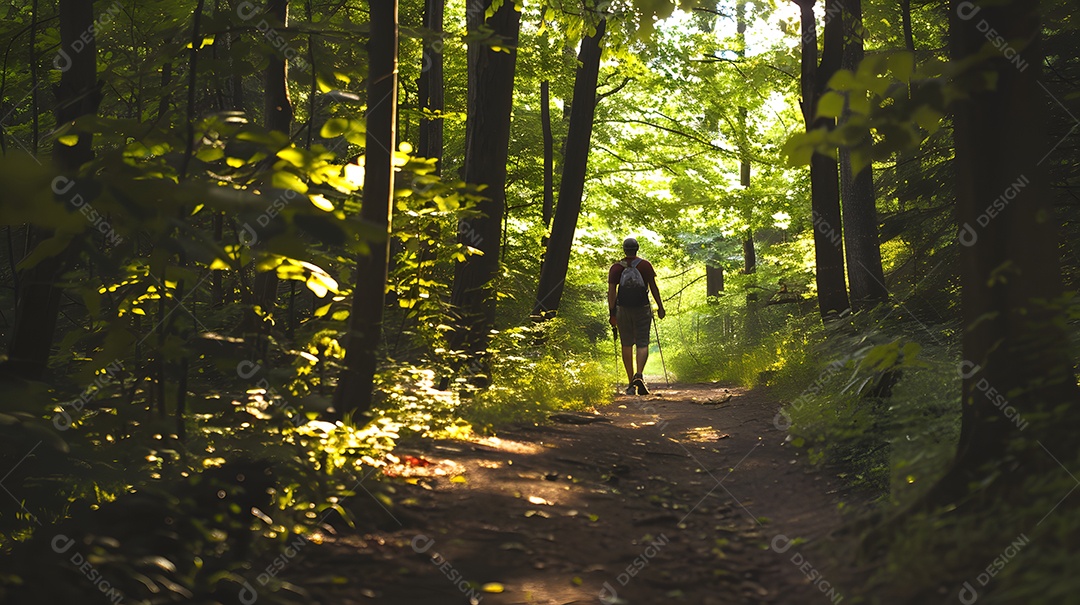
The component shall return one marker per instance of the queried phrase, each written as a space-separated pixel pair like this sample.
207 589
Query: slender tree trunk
908 162
714 280
77 95
1014 339
572 185
355 387
431 86
278 113
549 155
905 19
824 174
749 255
487 140
865 276
34 132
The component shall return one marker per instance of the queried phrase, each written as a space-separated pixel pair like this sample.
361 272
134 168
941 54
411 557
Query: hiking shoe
632 389
639 383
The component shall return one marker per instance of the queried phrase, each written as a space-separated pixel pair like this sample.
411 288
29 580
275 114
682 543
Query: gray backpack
632 289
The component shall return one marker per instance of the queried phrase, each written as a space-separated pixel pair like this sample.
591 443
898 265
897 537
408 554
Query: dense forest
303 301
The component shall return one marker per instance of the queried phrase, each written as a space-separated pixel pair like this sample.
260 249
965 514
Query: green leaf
859 103
902 65
293 156
334 127
831 105
928 118
288 180
69 140
843 80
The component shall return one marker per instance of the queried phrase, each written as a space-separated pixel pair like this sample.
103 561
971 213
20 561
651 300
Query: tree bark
278 113
549 155
572 185
487 140
749 255
905 20
866 279
355 388
1014 341
714 280
77 95
431 86
824 174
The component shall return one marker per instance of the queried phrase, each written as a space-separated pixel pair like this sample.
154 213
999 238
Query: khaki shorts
634 324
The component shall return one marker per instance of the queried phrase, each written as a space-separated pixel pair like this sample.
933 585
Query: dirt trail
678 498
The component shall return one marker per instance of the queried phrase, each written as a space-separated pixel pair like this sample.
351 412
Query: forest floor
688 495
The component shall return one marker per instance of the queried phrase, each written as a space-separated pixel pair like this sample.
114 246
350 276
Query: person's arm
611 303
656 296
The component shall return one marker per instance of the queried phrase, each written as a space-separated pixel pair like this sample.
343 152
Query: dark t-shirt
645 267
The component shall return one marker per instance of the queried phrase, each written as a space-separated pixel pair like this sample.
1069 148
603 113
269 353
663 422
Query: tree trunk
77 95
549 155
1014 341
824 174
354 389
749 255
431 86
714 280
572 185
278 113
866 279
905 19
487 140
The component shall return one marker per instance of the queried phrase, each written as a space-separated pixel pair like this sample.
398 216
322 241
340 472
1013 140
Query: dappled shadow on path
688 495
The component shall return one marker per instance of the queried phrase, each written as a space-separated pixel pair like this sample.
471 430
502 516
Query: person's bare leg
628 362
642 357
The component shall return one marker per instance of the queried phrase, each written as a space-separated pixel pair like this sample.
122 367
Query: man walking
629 283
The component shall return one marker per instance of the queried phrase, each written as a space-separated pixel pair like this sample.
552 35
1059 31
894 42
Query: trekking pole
615 343
661 349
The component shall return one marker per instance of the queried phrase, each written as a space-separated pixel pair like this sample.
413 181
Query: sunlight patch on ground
703 433
506 445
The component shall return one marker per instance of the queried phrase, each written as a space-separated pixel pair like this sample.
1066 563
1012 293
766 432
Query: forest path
687 495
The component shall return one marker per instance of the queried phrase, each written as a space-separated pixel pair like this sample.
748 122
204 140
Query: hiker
629 283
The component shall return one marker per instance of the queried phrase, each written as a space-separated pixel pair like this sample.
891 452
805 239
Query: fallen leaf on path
538 500
537 513
493 587
415 461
